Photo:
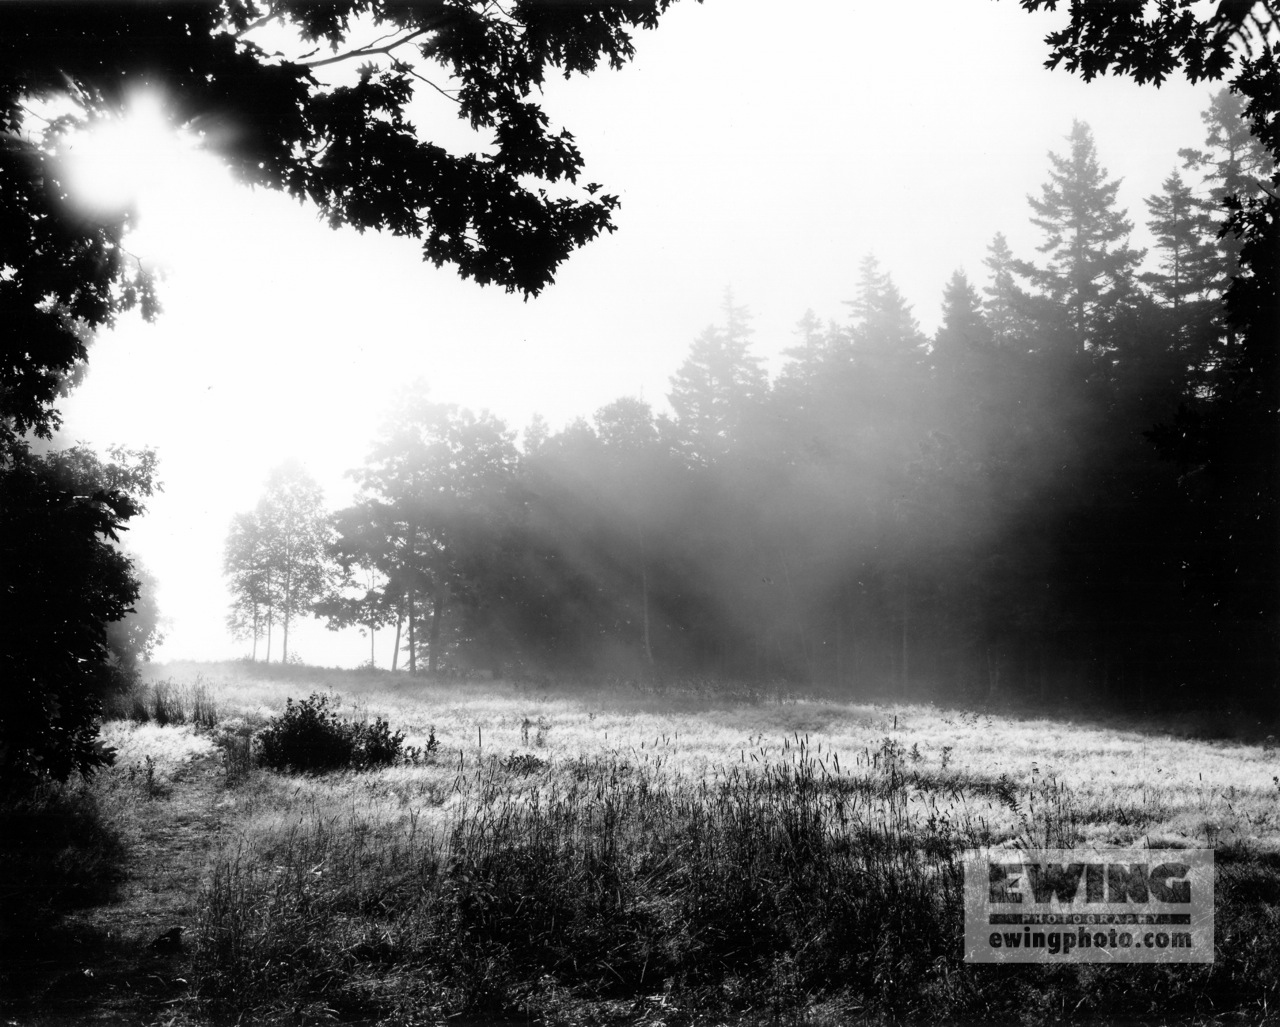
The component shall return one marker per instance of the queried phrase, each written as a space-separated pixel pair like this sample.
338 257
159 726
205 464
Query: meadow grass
579 856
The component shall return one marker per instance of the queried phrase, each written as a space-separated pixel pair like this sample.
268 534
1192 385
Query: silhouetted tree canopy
64 580
508 213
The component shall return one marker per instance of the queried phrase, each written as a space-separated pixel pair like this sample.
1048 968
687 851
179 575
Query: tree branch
268 17
364 51
410 69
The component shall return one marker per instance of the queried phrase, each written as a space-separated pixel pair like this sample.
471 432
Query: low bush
310 737
234 738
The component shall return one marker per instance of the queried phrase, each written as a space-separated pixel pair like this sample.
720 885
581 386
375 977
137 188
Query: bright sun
142 161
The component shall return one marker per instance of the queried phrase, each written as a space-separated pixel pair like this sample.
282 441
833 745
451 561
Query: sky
757 147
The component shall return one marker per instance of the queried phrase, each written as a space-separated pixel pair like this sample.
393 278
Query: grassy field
628 857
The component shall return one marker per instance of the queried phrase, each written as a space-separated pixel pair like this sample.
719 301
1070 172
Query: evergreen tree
811 355
882 368
964 336
1190 324
885 331
1184 235
1234 160
1007 304
1090 264
1232 164
716 387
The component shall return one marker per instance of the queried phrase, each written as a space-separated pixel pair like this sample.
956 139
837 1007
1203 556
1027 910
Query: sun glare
112 162
144 163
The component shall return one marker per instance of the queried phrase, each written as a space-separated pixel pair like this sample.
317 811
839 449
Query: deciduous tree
64 581
248 569
443 479
295 537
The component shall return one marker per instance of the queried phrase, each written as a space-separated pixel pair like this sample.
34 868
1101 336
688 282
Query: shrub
309 737
524 763
235 738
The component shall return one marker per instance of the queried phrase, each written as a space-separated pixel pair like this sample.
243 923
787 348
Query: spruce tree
1232 164
885 331
1184 235
716 386
1090 264
1007 304
964 334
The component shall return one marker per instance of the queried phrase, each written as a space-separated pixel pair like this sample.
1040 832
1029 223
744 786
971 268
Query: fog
911 490
987 513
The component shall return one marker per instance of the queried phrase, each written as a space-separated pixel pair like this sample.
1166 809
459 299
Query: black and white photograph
683 513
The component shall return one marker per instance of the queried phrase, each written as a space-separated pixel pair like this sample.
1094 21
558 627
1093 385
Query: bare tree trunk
288 604
373 652
433 650
413 648
395 652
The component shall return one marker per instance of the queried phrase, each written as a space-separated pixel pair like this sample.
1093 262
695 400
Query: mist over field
639 513
1016 506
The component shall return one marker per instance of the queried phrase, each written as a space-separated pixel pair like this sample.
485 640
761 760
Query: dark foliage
64 581
57 855
349 149
310 738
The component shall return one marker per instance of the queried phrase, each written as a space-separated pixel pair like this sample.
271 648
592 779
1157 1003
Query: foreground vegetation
624 857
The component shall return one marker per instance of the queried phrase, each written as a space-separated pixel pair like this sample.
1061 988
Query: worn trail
122 960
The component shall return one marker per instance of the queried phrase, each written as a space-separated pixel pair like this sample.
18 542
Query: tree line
350 150
1063 491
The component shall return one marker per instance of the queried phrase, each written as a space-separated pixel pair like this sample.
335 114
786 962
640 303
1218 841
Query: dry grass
1127 786
580 857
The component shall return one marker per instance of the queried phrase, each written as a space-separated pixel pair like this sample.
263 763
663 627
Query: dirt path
103 966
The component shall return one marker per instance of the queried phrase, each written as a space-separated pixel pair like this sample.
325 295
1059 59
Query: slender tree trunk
413 646
413 638
285 610
271 615
433 650
373 652
395 651
257 630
